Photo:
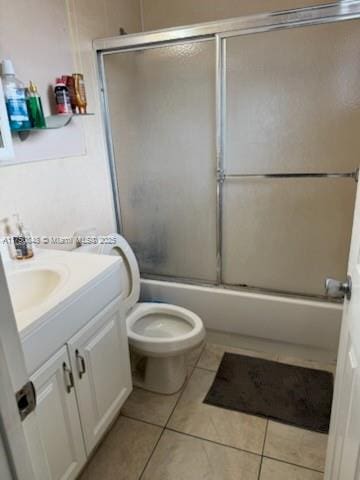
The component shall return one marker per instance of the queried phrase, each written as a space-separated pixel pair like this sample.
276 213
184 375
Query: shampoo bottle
62 98
35 107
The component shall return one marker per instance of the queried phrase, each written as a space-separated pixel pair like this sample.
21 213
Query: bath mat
289 394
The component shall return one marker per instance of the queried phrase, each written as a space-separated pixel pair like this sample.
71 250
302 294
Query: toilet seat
130 274
159 329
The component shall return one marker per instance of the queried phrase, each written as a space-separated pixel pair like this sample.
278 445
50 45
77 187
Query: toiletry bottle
22 242
62 98
70 84
7 240
80 94
15 98
35 107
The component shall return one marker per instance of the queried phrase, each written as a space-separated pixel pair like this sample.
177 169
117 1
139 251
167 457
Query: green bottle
35 107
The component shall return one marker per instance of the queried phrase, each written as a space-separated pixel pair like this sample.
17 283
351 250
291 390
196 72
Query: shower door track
219 31
353 175
238 288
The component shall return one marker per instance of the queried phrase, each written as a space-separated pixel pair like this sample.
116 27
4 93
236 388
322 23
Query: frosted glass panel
163 124
293 100
287 234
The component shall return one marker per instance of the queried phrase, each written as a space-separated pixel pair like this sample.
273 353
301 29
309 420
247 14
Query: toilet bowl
159 334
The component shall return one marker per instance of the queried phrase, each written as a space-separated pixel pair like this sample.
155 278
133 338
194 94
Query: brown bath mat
294 395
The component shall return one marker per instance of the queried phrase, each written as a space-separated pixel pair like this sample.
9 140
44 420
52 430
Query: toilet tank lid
115 244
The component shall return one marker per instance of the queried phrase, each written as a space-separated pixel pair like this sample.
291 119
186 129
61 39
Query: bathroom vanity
69 313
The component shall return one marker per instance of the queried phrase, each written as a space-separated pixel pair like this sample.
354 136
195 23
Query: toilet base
164 375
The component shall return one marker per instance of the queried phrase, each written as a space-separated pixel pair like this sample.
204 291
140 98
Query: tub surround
278 318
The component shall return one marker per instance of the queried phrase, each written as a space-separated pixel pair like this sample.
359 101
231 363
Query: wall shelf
53 122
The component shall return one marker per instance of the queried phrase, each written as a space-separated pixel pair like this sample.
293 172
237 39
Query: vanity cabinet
81 389
100 362
58 417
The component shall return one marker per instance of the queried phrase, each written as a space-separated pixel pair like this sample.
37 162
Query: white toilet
159 334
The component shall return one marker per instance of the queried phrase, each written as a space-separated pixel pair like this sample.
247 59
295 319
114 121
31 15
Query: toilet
159 334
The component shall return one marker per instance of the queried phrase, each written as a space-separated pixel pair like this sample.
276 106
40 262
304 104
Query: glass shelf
52 123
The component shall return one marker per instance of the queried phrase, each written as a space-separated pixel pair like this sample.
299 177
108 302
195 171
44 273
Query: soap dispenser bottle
8 239
22 242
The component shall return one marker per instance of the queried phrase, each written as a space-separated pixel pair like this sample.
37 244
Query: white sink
55 294
31 287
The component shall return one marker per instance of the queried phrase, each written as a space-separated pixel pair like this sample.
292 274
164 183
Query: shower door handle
336 289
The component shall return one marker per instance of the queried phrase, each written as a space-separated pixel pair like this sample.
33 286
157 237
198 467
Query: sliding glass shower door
235 154
292 106
162 111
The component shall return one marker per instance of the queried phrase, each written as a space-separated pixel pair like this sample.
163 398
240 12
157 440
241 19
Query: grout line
151 454
142 420
201 352
263 448
213 441
260 468
216 443
265 436
220 444
179 397
164 428
293 464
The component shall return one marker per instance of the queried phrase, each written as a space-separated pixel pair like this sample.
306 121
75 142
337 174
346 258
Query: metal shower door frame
218 32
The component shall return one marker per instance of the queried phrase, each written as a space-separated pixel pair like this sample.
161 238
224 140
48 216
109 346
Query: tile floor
177 437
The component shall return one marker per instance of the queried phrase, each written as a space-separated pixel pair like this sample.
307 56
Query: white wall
170 13
61 195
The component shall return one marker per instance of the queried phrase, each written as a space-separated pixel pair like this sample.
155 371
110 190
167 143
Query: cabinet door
99 356
58 417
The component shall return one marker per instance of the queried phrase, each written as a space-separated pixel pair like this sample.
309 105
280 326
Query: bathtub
313 323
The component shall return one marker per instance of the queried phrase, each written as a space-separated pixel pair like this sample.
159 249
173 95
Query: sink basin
30 288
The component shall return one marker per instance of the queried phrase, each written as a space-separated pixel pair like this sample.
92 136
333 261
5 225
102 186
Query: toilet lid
130 274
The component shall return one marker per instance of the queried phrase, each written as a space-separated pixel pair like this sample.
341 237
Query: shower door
161 103
291 108
235 150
